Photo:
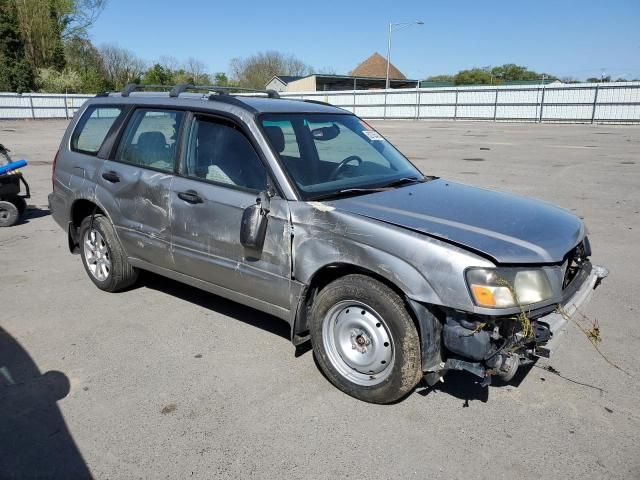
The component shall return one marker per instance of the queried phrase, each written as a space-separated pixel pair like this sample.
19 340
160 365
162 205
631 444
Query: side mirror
254 223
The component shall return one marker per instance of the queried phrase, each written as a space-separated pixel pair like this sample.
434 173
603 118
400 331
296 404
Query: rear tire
104 259
9 214
364 339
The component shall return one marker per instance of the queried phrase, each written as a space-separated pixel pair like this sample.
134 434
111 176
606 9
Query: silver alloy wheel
358 343
96 255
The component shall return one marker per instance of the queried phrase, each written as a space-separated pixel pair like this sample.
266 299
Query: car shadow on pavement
213 302
467 387
34 439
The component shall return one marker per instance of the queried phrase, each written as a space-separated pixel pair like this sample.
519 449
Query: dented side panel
425 269
206 242
139 206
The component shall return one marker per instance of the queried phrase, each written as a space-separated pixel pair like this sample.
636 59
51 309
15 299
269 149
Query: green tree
157 75
83 57
51 80
220 78
440 78
474 76
39 24
16 74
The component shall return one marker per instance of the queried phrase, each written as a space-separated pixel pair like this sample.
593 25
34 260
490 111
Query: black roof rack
132 87
220 90
176 90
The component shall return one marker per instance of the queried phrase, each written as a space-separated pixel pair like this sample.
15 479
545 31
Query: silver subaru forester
302 210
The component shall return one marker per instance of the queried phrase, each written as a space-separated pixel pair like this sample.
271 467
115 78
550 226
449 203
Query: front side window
328 154
220 153
150 139
93 128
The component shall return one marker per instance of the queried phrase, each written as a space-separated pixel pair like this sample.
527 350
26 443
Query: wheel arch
424 316
80 209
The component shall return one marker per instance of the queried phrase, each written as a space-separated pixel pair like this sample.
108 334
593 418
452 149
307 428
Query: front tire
103 257
364 339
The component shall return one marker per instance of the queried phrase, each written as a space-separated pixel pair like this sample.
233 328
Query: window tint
93 128
220 153
150 139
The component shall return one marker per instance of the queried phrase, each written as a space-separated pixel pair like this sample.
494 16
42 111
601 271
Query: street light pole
386 83
392 27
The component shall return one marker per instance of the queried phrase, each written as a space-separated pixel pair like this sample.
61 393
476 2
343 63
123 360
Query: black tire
9 214
404 370
121 274
20 203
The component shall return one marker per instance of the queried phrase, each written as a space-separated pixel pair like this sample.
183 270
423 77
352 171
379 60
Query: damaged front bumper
486 347
557 321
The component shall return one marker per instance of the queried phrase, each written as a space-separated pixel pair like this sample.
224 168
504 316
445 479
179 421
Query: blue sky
566 38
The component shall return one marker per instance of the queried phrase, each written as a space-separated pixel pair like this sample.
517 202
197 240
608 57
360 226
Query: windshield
329 154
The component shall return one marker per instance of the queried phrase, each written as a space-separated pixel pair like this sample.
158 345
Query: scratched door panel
138 204
206 241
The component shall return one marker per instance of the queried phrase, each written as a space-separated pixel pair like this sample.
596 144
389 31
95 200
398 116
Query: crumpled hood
505 227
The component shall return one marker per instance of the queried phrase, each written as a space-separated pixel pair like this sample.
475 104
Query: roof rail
176 90
132 87
221 90
319 102
230 99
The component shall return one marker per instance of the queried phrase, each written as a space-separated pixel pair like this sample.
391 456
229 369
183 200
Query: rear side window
92 129
150 139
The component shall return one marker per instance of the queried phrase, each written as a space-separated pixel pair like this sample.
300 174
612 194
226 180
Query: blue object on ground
12 166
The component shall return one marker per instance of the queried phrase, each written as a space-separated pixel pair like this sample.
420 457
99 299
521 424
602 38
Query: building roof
287 78
376 66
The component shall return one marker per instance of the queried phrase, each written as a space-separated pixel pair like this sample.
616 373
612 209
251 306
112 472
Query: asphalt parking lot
164 381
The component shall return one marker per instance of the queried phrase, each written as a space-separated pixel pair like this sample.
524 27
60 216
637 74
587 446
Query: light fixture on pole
392 28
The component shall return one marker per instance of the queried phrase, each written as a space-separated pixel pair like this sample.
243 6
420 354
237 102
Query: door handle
190 196
112 177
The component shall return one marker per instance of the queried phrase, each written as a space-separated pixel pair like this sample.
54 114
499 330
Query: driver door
222 175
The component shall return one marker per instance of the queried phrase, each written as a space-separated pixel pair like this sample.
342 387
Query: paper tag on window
372 135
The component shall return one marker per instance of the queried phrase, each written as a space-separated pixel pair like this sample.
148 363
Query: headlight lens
508 287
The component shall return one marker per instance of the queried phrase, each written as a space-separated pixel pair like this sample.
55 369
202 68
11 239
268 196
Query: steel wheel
96 255
358 343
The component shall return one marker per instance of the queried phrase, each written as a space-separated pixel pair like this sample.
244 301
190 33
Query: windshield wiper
403 181
362 190
349 191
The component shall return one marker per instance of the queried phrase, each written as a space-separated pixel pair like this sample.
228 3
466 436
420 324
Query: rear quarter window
93 128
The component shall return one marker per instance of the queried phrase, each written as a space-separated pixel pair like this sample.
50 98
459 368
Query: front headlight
508 287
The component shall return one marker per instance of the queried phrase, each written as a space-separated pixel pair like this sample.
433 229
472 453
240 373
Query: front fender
426 269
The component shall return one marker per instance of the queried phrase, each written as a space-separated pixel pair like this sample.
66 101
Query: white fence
588 103
604 102
40 105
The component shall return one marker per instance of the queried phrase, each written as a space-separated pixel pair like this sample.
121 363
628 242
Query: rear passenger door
221 175
134 186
